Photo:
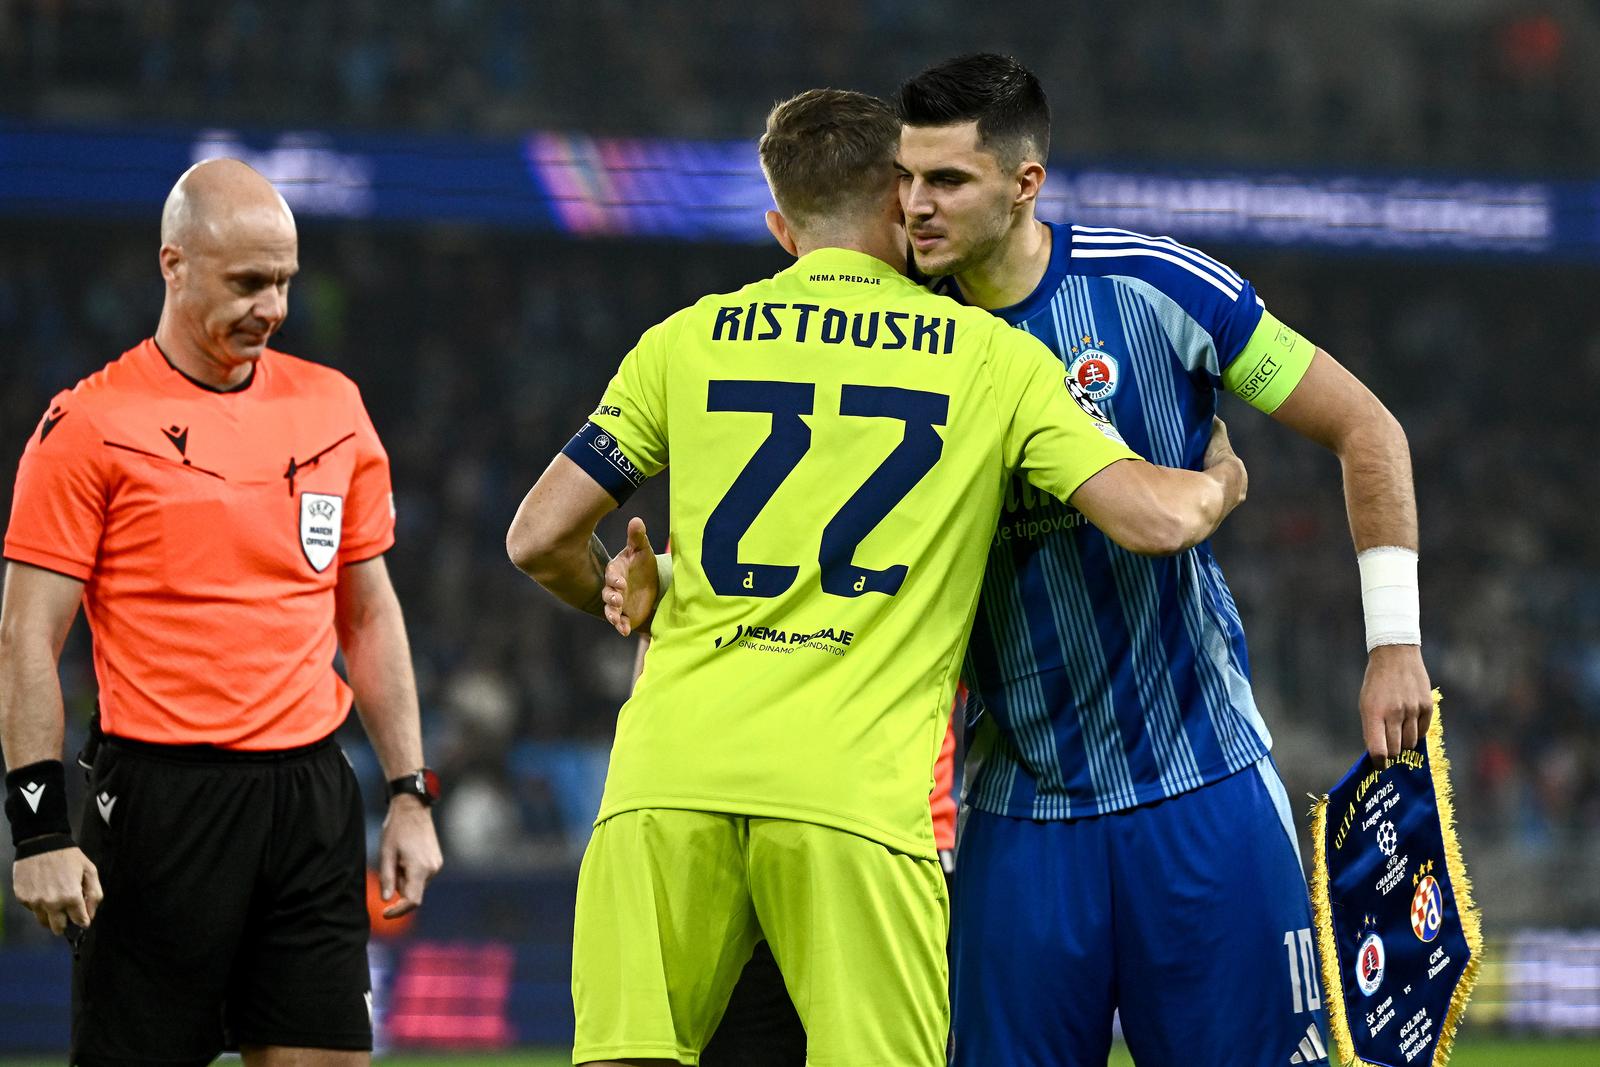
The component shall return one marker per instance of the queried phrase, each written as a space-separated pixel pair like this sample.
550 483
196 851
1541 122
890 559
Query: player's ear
1029 178
778 226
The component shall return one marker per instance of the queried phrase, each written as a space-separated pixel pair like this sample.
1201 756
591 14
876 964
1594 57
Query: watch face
429 781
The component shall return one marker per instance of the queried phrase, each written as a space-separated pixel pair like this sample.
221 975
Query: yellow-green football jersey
840 441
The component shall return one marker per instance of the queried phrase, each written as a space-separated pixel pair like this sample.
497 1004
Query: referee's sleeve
58 510
368 524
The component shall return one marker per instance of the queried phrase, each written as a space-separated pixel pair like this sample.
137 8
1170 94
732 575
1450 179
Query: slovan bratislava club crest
1094 369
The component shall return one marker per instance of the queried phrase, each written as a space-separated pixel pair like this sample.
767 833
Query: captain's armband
597 452
1271 365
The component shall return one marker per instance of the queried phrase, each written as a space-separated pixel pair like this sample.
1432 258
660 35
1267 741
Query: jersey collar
837 261
1059 267
166 374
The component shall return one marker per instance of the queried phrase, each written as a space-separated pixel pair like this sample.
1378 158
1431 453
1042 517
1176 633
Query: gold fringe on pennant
1322 919
1471 921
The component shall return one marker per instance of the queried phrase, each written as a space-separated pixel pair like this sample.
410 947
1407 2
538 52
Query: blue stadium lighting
589 186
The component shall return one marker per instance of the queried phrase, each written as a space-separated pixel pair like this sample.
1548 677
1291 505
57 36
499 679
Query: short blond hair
829 154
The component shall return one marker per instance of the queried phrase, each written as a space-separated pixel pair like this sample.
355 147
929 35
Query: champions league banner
1399 936
585 185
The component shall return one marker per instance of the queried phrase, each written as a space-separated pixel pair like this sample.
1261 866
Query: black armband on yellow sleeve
597 452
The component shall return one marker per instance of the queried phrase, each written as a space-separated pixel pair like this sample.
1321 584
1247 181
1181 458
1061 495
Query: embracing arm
552 538
1333 408
372 635
1159 511
1054 436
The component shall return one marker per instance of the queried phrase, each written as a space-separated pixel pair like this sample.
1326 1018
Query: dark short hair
1001 94
829 153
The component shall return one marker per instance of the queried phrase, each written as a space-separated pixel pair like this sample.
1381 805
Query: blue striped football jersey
1106 680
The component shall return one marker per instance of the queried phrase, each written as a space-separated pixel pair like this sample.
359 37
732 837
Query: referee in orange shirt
221 511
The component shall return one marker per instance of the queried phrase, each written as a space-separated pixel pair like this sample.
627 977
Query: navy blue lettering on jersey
1108 680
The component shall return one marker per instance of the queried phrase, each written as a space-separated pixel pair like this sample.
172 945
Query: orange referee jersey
209 529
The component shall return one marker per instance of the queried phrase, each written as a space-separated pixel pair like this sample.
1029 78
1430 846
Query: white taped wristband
663 574
1389 598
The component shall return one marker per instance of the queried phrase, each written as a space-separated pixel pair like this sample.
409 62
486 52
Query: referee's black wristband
48 843
36 802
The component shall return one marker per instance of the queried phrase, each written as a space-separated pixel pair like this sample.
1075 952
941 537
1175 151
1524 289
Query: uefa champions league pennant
1399 937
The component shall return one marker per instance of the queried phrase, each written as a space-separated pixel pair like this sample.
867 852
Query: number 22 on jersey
787 443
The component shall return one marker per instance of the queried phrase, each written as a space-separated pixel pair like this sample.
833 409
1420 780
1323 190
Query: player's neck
1014 271
887 252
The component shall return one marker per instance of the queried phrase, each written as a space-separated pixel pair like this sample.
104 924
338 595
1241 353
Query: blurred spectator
1485 85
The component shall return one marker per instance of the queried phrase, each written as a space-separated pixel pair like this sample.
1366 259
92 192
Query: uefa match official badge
321 517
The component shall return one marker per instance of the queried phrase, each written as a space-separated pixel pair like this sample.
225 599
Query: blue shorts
1188 916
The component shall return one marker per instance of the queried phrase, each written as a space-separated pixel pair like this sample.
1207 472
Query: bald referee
220 510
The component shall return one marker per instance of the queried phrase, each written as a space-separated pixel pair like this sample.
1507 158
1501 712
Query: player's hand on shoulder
1219 452
1220 446
408 856
1396 701
633 586
57 887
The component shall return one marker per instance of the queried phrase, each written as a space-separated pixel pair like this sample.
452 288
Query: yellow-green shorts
671 903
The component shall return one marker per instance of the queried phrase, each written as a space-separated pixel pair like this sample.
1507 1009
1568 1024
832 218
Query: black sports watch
422 783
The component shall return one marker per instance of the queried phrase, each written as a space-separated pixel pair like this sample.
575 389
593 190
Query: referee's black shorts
235 905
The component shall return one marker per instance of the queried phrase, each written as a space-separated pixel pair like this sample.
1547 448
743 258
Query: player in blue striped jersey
1129 845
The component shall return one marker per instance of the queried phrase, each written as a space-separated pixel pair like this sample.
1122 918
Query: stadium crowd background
1481 84
479 351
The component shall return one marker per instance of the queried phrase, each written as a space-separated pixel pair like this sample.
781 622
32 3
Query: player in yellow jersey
840 439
